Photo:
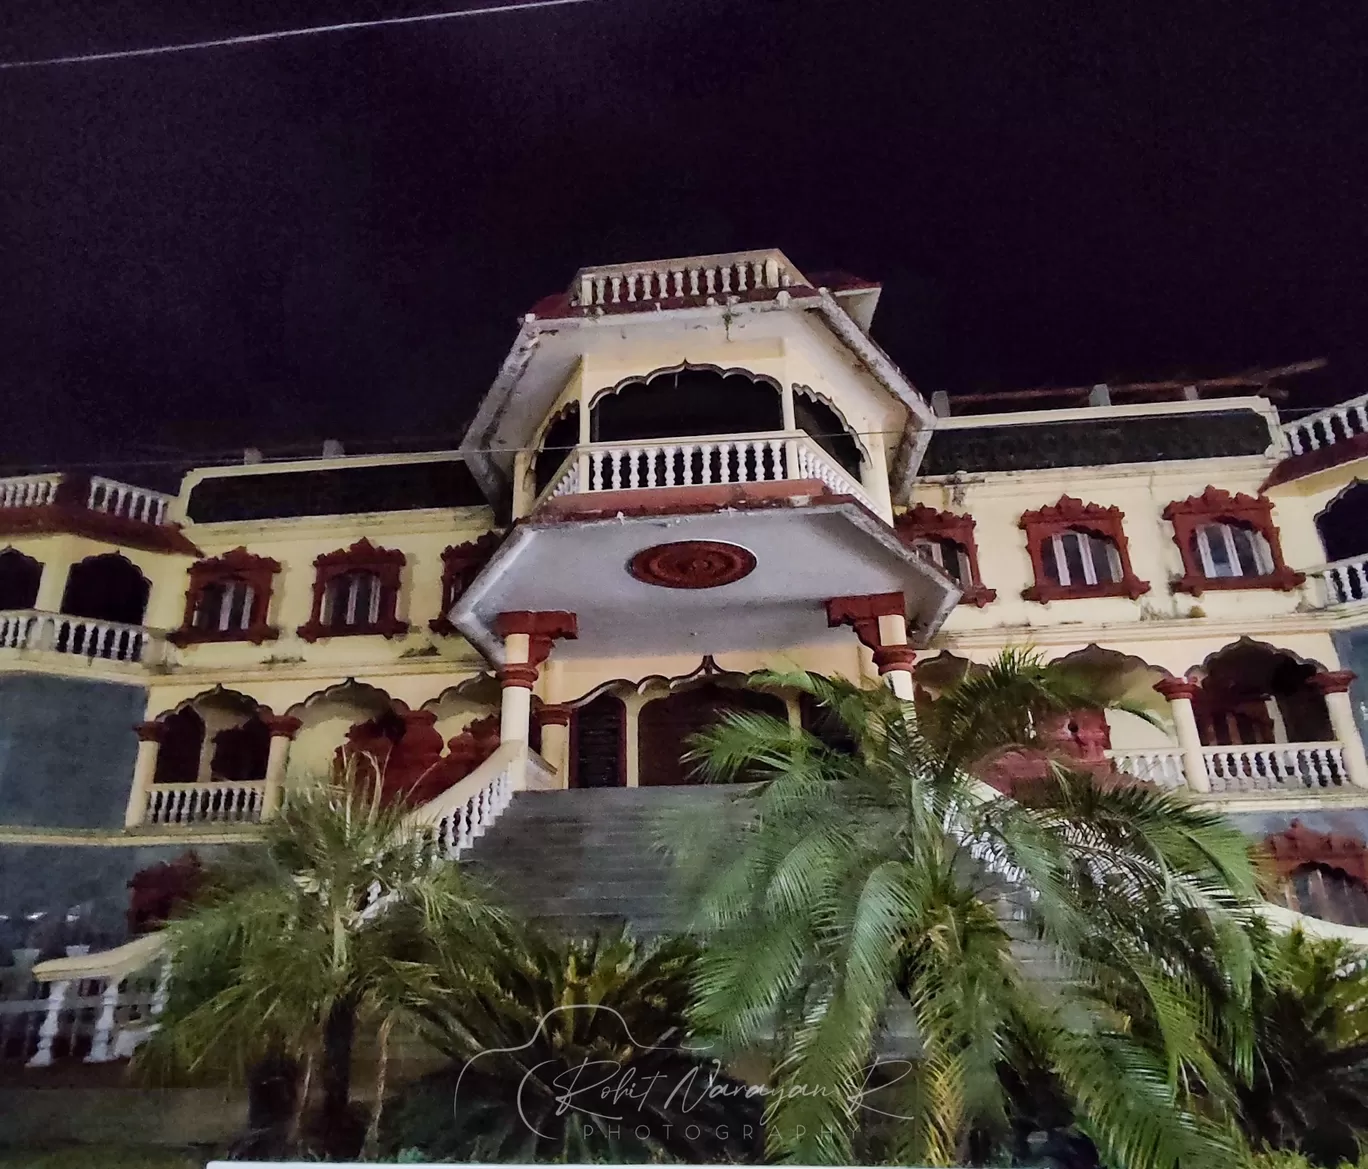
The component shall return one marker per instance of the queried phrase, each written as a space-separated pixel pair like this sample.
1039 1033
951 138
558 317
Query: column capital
1333 681
1172 688
281 726
552 714
522 674
150 732
541 630
862 614
894 657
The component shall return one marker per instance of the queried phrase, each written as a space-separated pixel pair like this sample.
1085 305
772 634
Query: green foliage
295 943
1006 926
1308 1090
569 1050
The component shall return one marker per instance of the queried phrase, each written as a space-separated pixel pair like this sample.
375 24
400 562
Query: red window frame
242 566
1073 514
387 564
1214 506
461 564
922 522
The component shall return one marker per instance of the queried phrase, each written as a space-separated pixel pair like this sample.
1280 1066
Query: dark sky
334 237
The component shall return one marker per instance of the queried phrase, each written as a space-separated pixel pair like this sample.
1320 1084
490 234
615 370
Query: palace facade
683 472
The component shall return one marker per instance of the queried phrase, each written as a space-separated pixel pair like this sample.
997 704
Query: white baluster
104 1027
47 1033
693 281
617 289
741 277
758 269
632 278
710 280
726 277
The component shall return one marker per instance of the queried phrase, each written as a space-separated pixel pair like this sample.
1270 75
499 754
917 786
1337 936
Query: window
461 564
1081 558
228 600
946 540
356 591
1230 550
1228 542
1327 893
351 601
1079 549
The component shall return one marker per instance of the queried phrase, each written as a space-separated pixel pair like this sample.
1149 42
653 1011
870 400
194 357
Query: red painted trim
922 522
714 497
1333 681
894 657
152 732
1299 846
79 520
1066 515
862 614
237 565
363 556
692 564
522 674
1214 506
281 726
553 714
461 564
1172 688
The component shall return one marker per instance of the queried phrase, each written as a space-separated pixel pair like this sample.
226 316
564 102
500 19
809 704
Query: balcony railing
216 802
95 492
1345 581
79 637
1251 769
688 280
1329 426
700 462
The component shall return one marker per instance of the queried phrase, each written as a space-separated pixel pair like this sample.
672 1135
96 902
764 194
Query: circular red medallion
691 564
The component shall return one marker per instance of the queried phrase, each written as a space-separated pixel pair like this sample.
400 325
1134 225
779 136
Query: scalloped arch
826 400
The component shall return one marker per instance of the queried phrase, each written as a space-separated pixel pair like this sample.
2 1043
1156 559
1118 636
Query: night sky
334 237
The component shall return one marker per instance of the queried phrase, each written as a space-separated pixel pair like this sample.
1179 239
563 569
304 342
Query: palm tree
571 1050
294 944
882 870
1309 1087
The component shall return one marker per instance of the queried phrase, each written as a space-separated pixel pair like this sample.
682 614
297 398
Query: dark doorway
19 577
107 588
597 740
178 758
666 726
240 752
1245 685
687 402
827 429
561 437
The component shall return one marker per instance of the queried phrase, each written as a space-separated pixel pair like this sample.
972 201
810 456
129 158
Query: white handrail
1346 581
1263 767
467 809
1326 427
219 801
29 490
1161 766
690 278
85 637
123 499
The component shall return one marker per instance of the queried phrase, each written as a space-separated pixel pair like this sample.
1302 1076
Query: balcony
1335 424
93 506
59 638
1251 770
216 802
1345 582
731 461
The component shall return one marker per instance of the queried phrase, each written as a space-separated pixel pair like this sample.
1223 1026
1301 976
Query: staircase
590 859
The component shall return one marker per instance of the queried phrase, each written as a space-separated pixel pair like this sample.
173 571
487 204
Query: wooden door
666 726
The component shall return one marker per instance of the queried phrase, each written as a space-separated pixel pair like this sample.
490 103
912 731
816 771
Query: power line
283 34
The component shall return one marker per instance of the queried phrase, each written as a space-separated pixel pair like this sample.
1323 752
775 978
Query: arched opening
106 588
827 429
182 743
19 578
1343 525
1323 891
240 752
1253 694
1080 557
666 727
680 403
561 437
598 743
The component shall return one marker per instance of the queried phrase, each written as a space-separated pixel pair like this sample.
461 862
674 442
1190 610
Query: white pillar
1179 692
47 1033
893 657
283 729
875 477
144 769
786 404
52 584
104 1027
631 741
1335 688
518 678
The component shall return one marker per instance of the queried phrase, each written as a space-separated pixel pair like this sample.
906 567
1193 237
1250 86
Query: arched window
1227 550
228 599
686 401
240 752
178 758
1328 893
1079 557
356 591
827 428
19 577
561 437
1228 542
1079 550
946 540
951 558
106 588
